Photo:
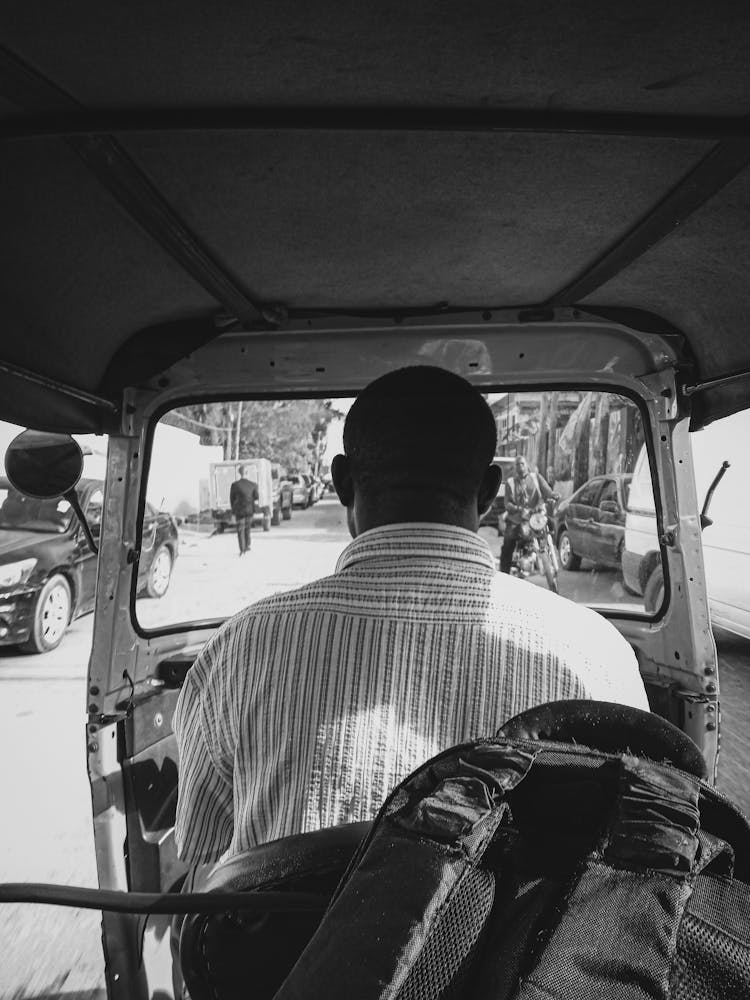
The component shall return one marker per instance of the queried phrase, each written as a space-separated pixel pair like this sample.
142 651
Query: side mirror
43 466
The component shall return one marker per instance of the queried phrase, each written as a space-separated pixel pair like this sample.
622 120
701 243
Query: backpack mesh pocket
713 943
445 963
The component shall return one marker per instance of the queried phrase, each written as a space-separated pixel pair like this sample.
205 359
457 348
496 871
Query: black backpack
531 867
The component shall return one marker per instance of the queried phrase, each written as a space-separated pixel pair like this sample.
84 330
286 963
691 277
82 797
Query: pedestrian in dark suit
243 499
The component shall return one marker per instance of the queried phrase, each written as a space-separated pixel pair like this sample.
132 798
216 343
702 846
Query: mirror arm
72 497
706 521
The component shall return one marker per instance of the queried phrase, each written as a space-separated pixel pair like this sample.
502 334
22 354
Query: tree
292 432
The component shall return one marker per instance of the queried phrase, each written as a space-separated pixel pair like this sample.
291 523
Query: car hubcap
565 550
55 615
160 572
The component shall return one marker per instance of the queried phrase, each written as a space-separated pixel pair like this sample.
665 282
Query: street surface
55 953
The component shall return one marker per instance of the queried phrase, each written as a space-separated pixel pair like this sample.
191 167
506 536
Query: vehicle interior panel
662 277
635 56
451 194
512 176
68 226
217 949
152 720
150 782
148 756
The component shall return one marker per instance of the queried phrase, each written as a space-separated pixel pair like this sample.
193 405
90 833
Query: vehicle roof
174 172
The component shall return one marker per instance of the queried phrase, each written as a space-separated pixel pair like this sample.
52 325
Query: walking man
243 499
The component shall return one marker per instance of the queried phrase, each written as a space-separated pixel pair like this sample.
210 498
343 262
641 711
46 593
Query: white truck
221 475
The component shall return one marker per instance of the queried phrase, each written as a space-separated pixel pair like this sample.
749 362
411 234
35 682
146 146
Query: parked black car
590 524
48 571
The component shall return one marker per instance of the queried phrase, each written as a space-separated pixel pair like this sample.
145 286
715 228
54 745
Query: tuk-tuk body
281 203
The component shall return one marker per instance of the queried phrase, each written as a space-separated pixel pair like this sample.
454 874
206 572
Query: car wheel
159 573
653 595
568 559
276 517
51 616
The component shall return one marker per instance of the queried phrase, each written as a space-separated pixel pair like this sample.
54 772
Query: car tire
568 559
159 573
653 595
276 517
52 613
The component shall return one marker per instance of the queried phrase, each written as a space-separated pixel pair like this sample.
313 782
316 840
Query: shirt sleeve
563 649
607 666
544 487
205 811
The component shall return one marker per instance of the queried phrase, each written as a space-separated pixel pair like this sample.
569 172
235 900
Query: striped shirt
303 710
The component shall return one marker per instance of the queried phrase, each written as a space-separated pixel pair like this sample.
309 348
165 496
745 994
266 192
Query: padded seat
248 955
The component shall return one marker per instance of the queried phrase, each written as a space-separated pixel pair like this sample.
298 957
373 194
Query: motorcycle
535 551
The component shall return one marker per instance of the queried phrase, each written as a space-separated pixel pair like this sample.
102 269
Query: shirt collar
419 539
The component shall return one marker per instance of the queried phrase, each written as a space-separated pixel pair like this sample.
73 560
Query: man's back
243 494
309 706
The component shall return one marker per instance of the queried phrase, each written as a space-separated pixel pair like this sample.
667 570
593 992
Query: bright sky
335 430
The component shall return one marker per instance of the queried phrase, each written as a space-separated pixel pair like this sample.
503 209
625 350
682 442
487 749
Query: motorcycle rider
524 492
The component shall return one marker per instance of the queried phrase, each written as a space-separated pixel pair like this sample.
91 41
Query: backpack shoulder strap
422 858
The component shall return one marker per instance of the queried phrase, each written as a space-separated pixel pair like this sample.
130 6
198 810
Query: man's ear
342 479
491 480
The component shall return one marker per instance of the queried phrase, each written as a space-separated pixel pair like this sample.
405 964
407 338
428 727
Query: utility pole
239 428
552 439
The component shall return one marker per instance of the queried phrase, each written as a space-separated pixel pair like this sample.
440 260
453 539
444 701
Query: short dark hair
420 428
242 470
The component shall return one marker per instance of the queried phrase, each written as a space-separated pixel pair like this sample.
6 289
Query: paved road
734 755
46 833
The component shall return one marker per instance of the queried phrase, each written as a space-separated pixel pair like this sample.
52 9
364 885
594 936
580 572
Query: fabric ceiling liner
465 173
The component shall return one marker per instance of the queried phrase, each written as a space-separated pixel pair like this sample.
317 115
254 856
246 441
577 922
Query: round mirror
43 465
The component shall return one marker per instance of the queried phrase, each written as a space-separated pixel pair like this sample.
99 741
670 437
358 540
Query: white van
726 542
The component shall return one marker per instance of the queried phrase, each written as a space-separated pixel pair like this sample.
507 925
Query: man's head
418 446
242 471
522 466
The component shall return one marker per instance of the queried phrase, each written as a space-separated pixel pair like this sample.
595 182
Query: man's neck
368 516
